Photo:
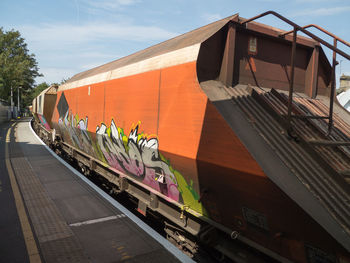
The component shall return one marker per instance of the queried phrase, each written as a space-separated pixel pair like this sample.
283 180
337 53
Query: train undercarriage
195 237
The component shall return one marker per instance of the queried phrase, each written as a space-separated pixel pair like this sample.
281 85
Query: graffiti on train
134 154
44 122
137 155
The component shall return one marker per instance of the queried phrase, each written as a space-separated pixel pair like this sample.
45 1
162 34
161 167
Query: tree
18 68
64 80
28 97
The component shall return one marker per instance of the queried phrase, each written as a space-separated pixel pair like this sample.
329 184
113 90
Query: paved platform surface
69 221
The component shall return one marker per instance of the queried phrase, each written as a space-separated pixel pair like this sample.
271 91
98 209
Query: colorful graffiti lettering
133 154
44 122
137 155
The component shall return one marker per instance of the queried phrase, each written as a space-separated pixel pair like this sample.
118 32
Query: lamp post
11 102
18 105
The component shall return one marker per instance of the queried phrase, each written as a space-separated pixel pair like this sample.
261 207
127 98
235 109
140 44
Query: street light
18 105
11 102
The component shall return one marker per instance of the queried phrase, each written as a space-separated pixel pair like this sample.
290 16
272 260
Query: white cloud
76 34
105 6
270 1
211 17
52 74
323 11
110 4
315 1
63 50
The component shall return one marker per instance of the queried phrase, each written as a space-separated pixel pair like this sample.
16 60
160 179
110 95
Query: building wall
344 81
344 98
4 113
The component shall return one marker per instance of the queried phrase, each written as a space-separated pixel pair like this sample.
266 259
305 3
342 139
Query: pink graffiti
134 154
138 157
44 122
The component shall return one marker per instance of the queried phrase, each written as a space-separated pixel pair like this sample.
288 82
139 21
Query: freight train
230 133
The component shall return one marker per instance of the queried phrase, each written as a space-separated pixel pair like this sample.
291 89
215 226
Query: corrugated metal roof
263 110
316 129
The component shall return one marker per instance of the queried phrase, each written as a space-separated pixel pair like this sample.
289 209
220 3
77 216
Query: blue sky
68 37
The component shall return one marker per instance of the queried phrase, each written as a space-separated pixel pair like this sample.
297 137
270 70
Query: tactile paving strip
56 240
72 223
63 250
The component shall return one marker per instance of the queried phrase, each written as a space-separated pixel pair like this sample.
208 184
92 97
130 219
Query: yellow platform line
31 246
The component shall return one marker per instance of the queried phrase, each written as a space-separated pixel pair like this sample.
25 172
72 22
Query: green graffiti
189 196
188 193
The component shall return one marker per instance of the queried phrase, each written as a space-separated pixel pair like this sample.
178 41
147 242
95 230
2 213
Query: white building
344 99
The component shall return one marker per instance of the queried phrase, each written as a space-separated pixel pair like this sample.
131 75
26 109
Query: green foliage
38 89
27 97
64 80
18 68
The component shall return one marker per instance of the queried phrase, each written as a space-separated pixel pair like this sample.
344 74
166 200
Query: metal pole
299 28
291 83
323 30
18 105
334 64
11 102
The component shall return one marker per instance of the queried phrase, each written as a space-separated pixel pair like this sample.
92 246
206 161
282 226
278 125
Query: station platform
51 214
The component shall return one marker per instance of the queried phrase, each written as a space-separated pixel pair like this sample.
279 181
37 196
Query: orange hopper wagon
231 133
